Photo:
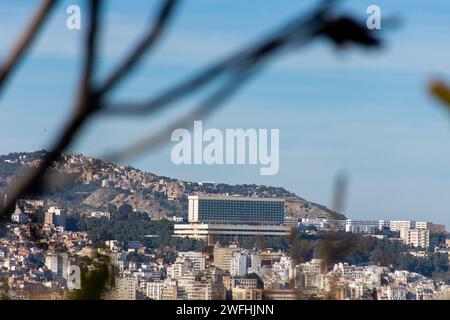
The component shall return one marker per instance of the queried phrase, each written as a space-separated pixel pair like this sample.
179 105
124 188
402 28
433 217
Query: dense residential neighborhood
123 226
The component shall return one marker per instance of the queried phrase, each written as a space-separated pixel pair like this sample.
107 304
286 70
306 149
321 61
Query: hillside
99 185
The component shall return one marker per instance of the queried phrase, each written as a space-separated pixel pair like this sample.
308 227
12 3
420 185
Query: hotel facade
213 218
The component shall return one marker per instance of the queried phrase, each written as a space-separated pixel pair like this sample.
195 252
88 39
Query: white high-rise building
218 218
235 210
239 264
255 262
58 264
154 290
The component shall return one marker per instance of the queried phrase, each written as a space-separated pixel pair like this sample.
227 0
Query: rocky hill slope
100 185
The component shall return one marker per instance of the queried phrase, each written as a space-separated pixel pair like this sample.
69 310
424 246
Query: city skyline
396 260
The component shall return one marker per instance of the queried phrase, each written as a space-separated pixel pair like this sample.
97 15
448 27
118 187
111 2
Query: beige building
126 288
244 283
280 294
197 259
208 287
223 256
246 294
169 293
415 237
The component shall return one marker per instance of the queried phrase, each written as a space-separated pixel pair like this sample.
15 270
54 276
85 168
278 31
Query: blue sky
367 113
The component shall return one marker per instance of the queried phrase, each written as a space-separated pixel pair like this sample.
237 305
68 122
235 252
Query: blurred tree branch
236 70
441 91
147 43
24 42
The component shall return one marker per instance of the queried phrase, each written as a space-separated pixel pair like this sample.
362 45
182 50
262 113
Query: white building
312 273
423 225
383 224
197 259
154 290
211 232
255 263
396 293
58 264
228 218
396 225
354 226
18 216
239 264
101 214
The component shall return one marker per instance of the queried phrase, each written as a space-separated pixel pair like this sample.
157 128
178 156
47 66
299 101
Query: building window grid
265 211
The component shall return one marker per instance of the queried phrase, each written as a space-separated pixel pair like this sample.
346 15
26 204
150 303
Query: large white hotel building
213 218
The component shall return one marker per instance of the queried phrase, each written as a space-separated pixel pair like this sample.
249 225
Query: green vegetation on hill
126 225
246 190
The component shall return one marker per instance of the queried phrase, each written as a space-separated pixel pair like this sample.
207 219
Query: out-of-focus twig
31 183
339 192
147 43
289 35
202 110
237 68
87 104
296 33
441 91
26 39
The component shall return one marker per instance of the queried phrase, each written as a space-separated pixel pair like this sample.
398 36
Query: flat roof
232 198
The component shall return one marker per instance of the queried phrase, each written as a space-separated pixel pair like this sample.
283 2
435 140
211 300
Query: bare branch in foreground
147 43
31 183
238 68
13 59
